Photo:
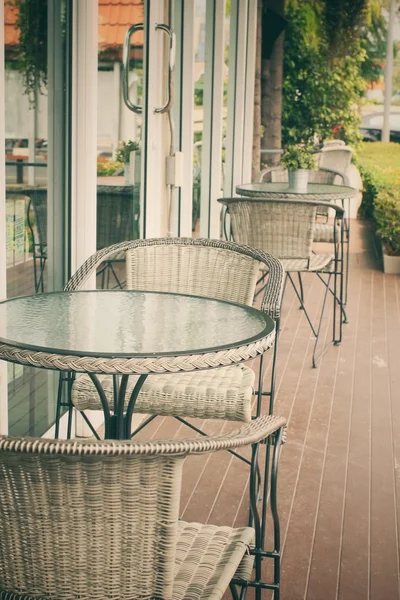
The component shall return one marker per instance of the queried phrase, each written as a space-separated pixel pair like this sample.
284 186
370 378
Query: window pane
119 132
30 391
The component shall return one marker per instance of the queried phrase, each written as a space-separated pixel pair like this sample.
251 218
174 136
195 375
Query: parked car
396 96
371 127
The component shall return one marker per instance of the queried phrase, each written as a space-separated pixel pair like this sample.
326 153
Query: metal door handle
171 67
125 65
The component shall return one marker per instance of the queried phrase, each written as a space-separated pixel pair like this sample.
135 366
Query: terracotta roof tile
115 16
11 34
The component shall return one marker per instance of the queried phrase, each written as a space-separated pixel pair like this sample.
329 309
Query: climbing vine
32 47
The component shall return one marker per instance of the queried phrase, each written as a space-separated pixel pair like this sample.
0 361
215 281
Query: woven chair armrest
255 431
339 210
338 173
272 298
343 176
260 175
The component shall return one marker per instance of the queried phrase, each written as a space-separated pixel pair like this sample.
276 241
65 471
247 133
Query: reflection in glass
119 130
199 40
31 406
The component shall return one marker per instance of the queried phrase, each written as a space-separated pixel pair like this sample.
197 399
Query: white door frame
3 272
211 155
242 52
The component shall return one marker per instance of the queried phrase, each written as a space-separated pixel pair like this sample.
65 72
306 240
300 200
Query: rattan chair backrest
95 520
204 267
280 175
337 158
117 214
285 227
88 526
202 270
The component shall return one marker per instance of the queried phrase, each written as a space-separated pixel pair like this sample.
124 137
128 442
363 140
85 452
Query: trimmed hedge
387 219
379 166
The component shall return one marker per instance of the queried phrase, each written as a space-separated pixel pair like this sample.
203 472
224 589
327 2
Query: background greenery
379 165
321 90
333 50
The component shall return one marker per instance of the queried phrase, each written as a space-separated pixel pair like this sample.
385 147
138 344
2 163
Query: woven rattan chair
117 220
286 228
96 520
323 231
222 270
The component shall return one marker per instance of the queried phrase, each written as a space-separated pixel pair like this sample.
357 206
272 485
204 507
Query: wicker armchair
117 220
323 231
96 520
222 270
286 228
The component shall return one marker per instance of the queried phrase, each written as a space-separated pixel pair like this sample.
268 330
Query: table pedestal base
118 425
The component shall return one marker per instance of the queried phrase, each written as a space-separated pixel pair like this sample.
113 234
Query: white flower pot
136 165
391 264
127 173
298 180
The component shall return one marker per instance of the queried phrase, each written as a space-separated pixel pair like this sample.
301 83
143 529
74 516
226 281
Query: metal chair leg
318 330
64 378
301 289
259 551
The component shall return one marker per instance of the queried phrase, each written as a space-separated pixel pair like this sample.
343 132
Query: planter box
391 264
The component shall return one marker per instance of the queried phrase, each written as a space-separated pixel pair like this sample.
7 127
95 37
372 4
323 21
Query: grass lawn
382 157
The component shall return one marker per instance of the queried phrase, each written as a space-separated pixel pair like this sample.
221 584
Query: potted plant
387 218
299 159
129 154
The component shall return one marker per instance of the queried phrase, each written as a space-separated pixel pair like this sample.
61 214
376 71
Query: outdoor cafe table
123 333
320 192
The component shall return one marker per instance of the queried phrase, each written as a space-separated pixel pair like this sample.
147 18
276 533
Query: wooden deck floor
339 475
340 468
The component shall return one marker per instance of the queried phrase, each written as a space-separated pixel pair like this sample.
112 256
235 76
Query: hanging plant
32 48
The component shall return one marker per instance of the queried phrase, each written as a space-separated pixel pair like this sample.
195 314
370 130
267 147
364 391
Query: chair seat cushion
318 262
323 232
207 558
223 393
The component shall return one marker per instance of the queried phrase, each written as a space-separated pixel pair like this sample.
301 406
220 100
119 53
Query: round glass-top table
322 192
129 332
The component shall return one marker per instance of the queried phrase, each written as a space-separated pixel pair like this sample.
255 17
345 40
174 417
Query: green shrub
384 156
379 166
387 218
108 167
321 93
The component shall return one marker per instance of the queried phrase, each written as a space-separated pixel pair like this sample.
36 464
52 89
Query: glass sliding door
32 57
134 51
199 39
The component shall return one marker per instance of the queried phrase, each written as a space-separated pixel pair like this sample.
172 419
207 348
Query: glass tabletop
128 324
283 188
